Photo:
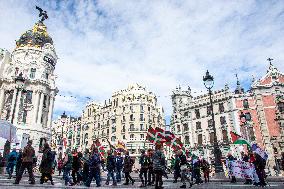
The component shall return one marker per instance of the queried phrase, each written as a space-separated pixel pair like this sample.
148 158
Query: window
221 107
17 71
185 114
199 139
25 116
123 109
131 108
142 136
107 131
141 117
225 135
131 117
29 96
281 106
197 113
248 116
141 108
209 111
132 136
46 75
149 108
44 101
142 127
198 125
245 103
210 123
32 74
123 118
223 120
186 140
185 127
124 137
123 128
211 137
131 127
113 121
113 129
113 138
178 128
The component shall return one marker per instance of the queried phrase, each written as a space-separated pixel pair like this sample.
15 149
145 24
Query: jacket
46 164
95 161
111 163
144 161
158 161
128 163
119 162
28 154
12 157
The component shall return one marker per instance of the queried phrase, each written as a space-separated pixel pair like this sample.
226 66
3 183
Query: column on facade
13 104
36 103
40 108
2 99
50 111
17 109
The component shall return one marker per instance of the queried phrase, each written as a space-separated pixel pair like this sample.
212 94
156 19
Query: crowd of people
82 168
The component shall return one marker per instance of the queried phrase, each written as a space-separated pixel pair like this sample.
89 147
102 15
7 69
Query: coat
159 161
28 154
46 164
12 157
128 163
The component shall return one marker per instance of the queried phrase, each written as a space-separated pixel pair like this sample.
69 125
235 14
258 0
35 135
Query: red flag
234 136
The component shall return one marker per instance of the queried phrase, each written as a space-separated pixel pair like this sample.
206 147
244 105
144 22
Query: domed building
27 85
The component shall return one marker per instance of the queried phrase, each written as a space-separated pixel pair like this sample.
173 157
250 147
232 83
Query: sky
103 46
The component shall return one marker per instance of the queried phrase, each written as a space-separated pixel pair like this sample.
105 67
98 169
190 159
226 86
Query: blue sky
105 45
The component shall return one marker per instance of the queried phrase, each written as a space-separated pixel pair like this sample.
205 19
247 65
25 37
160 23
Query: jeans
151 176
10 168
184 177
158 179
29 166
143 173
94 173
128 177
110 173
118 175
66 175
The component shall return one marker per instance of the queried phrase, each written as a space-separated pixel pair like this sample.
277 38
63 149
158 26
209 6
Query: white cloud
105 45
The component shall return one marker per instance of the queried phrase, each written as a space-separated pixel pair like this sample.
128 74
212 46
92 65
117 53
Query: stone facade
257 115
125 117
29 108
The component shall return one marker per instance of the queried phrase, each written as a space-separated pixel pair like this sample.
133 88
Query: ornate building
257 115
125 117
30 106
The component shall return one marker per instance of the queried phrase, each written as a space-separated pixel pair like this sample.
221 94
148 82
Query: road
8 184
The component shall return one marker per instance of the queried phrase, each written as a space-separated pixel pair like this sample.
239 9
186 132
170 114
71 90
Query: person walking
176 166
205 168
46 164
183 164
143 161
119 166
231 158
95 169
246 158
127 168
75 166
110 166
86 161
67 167
260 164
27 163
151 175
12 158
19 161
158 165
59 165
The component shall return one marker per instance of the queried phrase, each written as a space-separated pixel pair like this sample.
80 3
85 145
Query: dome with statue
36 37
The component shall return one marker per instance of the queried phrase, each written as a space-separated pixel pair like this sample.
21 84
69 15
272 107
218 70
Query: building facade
125 117
29 107
256 115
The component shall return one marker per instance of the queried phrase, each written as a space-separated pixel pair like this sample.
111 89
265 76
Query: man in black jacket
143 161
259 164
111 167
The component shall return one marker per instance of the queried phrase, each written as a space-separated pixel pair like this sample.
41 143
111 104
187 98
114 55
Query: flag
255 148
100 147
151 135
234 136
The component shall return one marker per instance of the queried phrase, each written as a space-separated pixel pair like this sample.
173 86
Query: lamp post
208 83
63 120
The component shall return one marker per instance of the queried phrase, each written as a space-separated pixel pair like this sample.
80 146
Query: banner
241 169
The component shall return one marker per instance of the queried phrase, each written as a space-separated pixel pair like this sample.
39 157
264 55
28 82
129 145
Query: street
58 183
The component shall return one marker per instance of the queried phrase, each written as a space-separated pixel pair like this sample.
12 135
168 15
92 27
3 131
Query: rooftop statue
42 14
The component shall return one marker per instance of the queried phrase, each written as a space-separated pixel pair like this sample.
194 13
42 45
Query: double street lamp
208 83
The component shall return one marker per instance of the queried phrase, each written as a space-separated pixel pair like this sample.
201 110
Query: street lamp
63 120
208 83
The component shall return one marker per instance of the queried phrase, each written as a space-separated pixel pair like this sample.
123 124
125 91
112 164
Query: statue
42 14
